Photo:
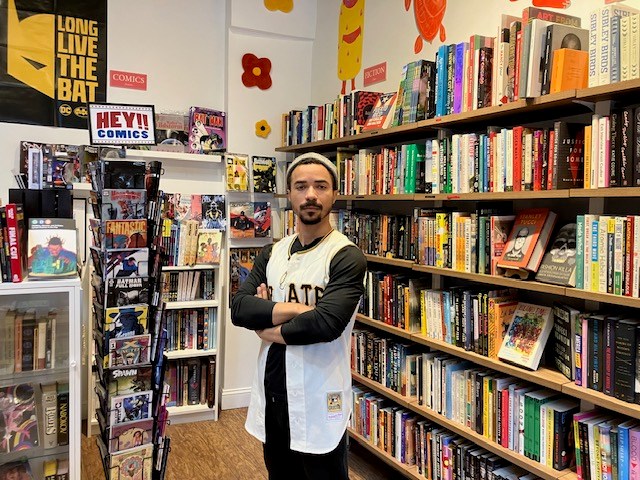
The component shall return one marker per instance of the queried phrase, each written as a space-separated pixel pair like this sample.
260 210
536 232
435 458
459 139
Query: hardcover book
52 246
264 174
527 335
237 172
207 130
563 338
363 104
500 227
558 265
382 113
527 242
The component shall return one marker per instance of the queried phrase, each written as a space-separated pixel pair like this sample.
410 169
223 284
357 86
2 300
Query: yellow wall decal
350 31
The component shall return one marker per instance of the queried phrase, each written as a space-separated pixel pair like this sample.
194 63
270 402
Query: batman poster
53 60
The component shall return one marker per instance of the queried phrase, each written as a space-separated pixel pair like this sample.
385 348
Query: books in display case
19 428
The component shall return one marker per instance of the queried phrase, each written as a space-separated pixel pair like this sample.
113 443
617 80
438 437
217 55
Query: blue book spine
441 76
580 251
458 78
623 452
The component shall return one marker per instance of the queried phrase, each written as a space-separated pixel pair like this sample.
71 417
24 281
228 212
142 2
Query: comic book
19 425
19 470
128 351
181 206
262 218
123 263
123 174
209 244
125 233
196 207
237 172
131 434
123 204
133 464
131 407
123 291
241 221
123 322
207 130
127 380
213 209
52 247
264 174
171 133
240 265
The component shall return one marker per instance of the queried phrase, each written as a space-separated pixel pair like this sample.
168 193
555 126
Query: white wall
390 32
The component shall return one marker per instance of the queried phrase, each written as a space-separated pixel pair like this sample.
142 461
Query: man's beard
311 220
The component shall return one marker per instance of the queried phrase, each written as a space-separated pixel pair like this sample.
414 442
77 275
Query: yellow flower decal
283 5
263 129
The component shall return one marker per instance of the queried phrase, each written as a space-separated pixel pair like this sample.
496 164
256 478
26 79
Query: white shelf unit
65 297
191 304
181 156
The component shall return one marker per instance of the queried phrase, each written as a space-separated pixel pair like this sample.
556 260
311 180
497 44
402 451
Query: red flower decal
257 71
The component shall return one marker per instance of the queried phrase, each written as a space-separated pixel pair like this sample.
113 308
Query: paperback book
237 172
213 212
558 266
264 174
262 219
242 222
209 243
207 131
52 247
123 204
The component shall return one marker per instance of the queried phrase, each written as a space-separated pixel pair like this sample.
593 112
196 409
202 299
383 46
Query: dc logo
64 109
80 112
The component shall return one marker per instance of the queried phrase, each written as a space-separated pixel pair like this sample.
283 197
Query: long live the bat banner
53 60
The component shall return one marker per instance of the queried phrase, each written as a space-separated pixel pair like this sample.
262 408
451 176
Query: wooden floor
223 450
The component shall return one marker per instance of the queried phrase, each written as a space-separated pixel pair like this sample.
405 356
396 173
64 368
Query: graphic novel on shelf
264 174
262 219
213 212
52 247
209 245
241 222
207 130
123 291
237 172
19 426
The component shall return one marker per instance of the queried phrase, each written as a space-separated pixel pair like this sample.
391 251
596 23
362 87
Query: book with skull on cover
558 265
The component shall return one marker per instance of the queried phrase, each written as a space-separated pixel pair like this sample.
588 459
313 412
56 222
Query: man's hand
263 292
272 335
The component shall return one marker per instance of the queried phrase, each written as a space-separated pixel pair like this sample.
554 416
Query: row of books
30 340
191 329
436 452
37 416
188 286
187 244
192 381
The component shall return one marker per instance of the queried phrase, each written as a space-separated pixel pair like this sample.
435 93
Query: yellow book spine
423 312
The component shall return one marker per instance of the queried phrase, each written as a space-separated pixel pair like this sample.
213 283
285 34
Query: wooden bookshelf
406 197
612 192
608 92
479 440
406 470
602 400
396 262
603 297
377 324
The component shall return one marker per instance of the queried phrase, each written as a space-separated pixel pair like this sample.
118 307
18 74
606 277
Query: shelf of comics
129 325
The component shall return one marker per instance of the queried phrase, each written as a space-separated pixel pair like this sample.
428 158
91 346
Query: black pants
284 463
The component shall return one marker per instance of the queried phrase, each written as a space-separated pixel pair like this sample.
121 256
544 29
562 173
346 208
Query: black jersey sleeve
334 309
247 310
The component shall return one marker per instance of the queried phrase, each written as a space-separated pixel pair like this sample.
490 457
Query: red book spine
15 249
517 158
492 154
505 418
537 160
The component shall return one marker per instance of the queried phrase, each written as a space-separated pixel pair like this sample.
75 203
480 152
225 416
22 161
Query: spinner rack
128 318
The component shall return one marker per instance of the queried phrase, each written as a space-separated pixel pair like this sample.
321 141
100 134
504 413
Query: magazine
207 130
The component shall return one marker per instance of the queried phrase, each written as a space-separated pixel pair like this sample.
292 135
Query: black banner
53 60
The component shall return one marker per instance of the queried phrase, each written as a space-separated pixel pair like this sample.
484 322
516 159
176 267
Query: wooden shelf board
493 280
543 376
603 297
381 389
374 197
490 196
182 156
515 458
396 262
378 325
605 92
409 472
613 192
599 398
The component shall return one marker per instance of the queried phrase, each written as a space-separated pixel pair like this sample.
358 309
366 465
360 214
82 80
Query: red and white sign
375 74
135 81
114 124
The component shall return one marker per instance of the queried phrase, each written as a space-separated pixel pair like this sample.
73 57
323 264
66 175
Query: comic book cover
262 218
127 380
182 206
237 172
123 174
128 351
196 207
209 243
125 233
171 133
19 470
264 174
96 231
129 435
124 322
123 204
123 291
19 419
128 408
132 464
122 263
52 247
207 130
240 265
241 221
213 209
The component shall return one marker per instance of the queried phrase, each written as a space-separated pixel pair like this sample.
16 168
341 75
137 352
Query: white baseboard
235 398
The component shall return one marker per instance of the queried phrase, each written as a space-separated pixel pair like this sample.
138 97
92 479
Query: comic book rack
128 319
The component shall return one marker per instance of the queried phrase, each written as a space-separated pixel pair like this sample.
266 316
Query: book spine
614 53
15 249
63 414
634 47
593 48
